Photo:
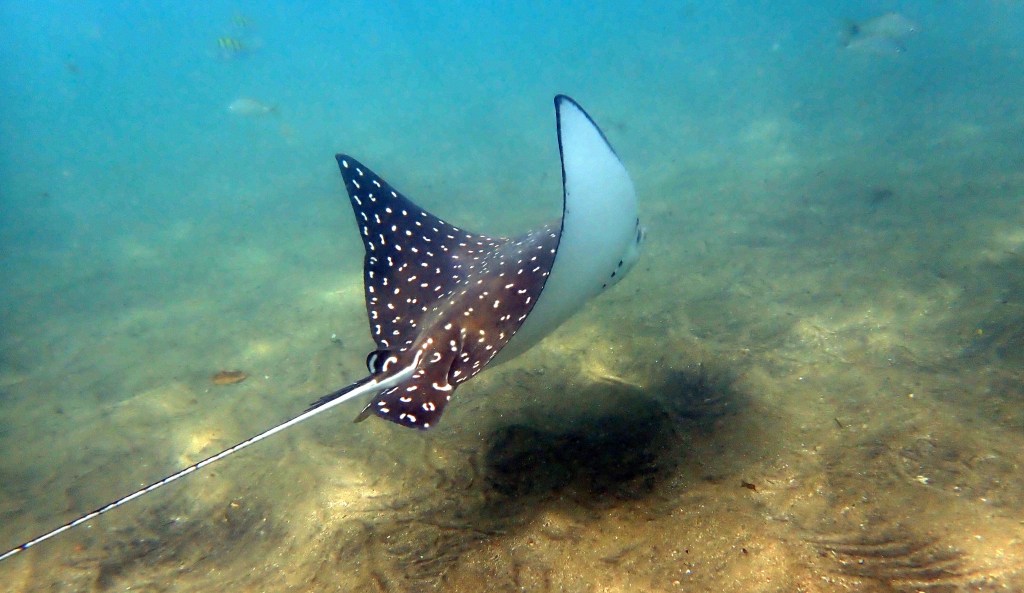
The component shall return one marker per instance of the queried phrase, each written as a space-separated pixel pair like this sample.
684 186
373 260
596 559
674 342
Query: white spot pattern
459 269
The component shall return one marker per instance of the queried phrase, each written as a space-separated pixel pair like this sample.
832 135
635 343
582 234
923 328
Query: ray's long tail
323 404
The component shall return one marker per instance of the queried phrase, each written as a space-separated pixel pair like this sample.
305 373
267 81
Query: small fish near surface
241 40
246 107
881 35
232 47
443 302
241 21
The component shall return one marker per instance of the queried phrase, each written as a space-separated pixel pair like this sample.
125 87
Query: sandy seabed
823 393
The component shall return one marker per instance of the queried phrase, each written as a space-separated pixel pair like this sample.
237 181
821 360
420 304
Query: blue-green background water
830 306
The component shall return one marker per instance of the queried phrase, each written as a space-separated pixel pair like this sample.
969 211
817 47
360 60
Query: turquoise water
812 381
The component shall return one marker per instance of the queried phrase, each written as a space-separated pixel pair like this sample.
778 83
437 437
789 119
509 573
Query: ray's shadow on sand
620 449
623 451
628 446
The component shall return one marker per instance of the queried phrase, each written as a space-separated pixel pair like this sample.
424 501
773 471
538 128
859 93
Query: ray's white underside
599 236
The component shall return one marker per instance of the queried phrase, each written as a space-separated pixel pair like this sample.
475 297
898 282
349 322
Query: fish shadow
620 447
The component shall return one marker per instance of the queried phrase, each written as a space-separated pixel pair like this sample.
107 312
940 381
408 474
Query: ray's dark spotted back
437 292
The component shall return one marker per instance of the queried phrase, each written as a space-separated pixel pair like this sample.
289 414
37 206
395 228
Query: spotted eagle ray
444 302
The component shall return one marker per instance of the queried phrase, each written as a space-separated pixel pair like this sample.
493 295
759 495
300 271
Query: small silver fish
892 25
247 107
879 46
881 35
